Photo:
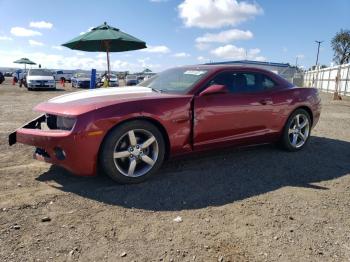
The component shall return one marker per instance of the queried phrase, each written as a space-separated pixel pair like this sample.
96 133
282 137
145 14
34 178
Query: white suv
40 79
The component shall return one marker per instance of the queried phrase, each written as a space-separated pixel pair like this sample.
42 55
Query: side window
267 82
59 72
243 82
224 78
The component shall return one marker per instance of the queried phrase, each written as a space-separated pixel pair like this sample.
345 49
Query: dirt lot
254 204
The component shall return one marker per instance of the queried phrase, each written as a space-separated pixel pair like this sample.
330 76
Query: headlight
65 123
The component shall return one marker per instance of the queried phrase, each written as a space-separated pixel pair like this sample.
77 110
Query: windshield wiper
157 90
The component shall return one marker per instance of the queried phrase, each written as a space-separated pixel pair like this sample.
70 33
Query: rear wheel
132 152
297 130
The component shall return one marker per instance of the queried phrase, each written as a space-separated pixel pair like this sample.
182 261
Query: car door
244 114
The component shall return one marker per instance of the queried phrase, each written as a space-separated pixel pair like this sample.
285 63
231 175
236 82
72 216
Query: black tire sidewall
285 136
106 160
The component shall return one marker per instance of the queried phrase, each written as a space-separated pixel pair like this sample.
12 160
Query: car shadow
216 178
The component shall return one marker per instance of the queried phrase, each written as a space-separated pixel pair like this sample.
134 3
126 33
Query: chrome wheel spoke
132 167
147 160
121 154
297 120
302 136
295 139
132 138
148 142
304 124
291 131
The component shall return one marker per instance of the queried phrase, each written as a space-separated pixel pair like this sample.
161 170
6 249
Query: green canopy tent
25 61
105 38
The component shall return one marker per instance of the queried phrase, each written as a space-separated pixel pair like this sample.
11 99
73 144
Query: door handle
266 101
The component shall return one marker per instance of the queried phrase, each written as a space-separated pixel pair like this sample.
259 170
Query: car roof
216 67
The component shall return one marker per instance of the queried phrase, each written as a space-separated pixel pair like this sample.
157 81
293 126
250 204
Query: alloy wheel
135 153
299 130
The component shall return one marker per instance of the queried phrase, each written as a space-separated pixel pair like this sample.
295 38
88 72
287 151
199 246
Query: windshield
131 77
82 75
176 80
39 72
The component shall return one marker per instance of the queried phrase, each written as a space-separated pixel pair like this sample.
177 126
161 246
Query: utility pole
296 61
318 50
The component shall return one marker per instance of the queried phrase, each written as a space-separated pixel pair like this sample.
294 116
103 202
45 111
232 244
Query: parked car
131 80
64 75
2 77
81 80
128 132
40 79
113 80
8 74
19 74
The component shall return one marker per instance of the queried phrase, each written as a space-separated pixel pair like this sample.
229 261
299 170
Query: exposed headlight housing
60 122
65 123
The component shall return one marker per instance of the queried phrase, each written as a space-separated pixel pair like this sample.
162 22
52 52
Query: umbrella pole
108 64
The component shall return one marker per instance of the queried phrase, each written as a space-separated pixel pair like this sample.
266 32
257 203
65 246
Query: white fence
324 79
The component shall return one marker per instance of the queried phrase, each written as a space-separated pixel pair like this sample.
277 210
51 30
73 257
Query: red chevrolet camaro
128 132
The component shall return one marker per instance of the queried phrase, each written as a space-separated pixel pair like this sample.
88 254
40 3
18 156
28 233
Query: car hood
77 103
40 78
83 79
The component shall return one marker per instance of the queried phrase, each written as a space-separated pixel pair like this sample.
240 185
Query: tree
341 47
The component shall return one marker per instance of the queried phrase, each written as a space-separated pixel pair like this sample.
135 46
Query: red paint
220 119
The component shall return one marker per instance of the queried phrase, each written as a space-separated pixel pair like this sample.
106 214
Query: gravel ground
252 204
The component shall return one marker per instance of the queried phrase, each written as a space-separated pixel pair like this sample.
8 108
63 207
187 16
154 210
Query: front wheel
132 152
297 130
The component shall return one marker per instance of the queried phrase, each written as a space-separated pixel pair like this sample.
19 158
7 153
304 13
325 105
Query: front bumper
77 152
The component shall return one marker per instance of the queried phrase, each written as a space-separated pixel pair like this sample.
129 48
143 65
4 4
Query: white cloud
162 49
5 38
202 46
101 55
225 36
216 13
35 43
52 61
89 29
203 59
20 31
41 24
300 56
237 53
182 54
57 47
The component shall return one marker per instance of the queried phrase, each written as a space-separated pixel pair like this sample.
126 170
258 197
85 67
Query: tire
295 137
136 161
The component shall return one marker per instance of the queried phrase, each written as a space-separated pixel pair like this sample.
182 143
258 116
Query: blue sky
176 32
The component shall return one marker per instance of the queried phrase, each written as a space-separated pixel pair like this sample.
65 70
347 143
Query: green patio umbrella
24 61
105 38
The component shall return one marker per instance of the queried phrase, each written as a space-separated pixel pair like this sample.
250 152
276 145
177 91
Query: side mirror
214 89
